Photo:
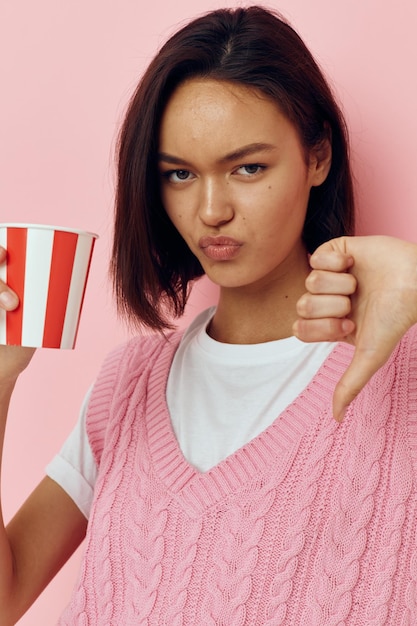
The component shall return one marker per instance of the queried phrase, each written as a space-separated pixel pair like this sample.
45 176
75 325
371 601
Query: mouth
220 248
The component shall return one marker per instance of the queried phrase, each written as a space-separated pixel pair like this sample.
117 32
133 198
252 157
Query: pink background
67 70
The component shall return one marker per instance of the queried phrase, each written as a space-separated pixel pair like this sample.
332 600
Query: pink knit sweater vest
311 523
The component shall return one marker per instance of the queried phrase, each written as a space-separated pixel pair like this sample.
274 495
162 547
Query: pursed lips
219 248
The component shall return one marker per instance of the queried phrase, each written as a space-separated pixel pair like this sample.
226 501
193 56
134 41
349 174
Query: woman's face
235 181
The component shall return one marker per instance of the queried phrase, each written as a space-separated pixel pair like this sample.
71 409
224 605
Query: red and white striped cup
47 266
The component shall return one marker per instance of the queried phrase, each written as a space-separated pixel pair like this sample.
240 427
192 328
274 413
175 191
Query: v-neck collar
274 447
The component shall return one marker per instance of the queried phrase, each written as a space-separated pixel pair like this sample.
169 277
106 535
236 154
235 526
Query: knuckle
313 281
304 306
334 329
352 283
346 307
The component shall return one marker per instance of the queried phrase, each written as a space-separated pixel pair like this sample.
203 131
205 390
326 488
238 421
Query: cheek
295 201
280 200
285 211
174 205
164 199
169 209
177 219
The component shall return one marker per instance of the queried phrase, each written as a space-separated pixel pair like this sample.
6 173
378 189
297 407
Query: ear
320 161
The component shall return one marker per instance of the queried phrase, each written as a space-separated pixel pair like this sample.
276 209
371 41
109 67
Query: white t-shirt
219 396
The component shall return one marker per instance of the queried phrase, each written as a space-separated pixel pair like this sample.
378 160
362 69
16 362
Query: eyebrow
239 153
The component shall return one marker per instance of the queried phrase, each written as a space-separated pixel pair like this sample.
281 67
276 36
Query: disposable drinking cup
47 266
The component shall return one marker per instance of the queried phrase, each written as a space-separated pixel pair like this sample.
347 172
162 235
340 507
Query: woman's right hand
13 359
362 290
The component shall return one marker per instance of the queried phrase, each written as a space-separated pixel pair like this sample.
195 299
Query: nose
216 207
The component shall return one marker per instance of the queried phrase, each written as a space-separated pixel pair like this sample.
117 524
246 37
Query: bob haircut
152 267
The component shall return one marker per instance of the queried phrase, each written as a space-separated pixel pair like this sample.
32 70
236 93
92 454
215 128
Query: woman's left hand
362 290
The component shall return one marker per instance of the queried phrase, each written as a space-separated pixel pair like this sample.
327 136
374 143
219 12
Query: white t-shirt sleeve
74 467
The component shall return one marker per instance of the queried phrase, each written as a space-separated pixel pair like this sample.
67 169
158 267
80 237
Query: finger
8 299
332 256
324 281
328 329
362 367
312 306
364 364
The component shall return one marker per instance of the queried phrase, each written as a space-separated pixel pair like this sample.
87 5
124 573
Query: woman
223 492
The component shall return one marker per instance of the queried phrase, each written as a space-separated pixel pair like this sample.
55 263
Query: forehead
220 113
212 96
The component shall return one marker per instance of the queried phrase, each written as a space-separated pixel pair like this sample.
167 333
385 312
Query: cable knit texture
309 524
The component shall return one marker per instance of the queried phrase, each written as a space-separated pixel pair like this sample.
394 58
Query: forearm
39 539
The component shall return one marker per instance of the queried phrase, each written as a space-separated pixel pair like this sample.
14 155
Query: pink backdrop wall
67 69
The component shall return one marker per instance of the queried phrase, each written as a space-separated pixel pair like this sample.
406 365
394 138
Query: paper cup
47 266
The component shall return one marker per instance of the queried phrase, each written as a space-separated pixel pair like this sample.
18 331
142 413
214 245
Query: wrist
6 389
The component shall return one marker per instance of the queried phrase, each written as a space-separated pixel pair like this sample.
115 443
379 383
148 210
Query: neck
258 314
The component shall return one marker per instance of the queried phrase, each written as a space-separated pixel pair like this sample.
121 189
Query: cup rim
77 231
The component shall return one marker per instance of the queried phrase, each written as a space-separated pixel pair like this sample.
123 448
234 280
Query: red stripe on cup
16 264
63 253
85 288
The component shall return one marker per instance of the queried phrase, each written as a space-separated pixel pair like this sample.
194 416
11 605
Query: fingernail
8 300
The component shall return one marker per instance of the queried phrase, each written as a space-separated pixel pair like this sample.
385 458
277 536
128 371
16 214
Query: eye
178 176
251 169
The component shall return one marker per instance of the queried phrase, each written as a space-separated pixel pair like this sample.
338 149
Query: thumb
364 364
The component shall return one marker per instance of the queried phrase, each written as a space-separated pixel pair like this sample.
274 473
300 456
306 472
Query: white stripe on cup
35 296
3 277
76 291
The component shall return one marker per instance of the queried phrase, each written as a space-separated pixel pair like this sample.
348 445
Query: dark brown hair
151 265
